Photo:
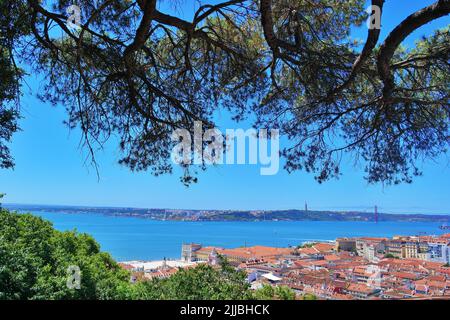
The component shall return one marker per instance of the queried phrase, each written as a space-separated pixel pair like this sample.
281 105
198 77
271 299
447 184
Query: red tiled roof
405 275
126 266
422 287
437 284
324 247
360 288
340 296
255 252
308 251
441 278
376 239
332 257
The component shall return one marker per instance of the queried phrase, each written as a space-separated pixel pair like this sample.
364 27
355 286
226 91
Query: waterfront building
188 251
204 254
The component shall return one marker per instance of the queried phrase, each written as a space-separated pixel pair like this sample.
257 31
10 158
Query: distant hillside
234 215
301 215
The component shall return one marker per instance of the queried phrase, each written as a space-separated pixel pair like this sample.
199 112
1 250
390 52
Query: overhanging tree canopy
10 32
134 71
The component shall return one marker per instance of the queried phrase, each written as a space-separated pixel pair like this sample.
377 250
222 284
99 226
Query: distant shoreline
235 215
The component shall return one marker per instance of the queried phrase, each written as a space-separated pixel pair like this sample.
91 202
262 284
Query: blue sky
50 168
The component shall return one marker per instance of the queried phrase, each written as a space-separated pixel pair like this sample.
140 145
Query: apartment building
439 251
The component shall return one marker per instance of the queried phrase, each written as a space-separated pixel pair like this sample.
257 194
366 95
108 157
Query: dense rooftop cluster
402 267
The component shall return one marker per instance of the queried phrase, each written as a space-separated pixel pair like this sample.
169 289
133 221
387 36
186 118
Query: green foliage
268 292
309 296
306 245
13 26
390 256
202 282
34 259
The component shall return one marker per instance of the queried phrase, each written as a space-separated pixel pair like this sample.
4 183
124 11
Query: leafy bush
34 262
268 292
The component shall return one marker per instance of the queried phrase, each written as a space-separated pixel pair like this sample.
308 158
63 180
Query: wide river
129 238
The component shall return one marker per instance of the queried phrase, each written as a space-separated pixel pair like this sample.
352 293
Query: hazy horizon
381 210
